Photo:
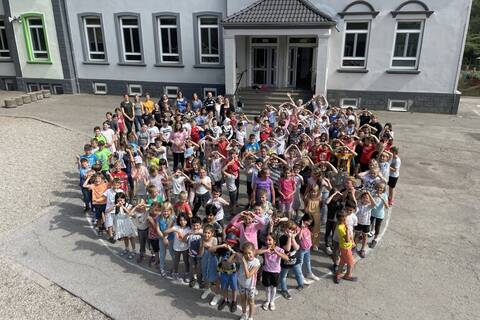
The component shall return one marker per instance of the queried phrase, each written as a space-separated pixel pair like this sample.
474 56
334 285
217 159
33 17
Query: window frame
84 37
171 96
356 106
121 41
28 38
210 89
197 37
419 44
4 41
158 40
367 43
396 109
99 92
137 86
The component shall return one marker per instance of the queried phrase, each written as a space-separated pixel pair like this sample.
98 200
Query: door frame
301 45
262 45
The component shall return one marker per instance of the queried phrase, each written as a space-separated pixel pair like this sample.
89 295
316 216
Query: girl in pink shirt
286 190
305 242
249 223
272 255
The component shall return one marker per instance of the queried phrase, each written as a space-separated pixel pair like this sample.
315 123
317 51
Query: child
218 202
166 221
365 206
305 242
180 246
249 224
124 227
182 206
394 174
272 256
208 247
84 168
335 206
154 232
99 201
228 276
194 239
289 244
378 213
153 196
141 222
345 244
298 203
286 190
107 217
178 185
313 199
247 278
211 212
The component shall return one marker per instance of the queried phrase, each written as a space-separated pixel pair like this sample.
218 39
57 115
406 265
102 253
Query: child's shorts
228 281
364 228
99 209
346 257
249 292
270 279
392 182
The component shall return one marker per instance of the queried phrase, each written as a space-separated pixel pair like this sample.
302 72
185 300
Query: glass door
264 65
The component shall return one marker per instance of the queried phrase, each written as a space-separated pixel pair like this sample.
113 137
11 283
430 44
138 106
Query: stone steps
26 98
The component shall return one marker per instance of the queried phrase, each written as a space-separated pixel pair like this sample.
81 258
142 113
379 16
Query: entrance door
264 66
300 64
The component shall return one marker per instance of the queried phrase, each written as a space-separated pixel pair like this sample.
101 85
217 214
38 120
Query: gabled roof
279 13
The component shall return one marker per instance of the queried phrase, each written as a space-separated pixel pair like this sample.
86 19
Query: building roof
279 13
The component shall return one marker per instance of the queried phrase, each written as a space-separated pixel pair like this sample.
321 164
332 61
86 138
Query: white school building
382 54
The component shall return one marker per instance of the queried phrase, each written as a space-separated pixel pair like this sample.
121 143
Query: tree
472 44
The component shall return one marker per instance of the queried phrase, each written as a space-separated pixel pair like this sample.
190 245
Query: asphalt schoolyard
425 267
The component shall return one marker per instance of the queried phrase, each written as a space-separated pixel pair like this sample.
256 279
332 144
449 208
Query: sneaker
362 253
196 286
370 234
163 273
233 306
336 279
112 240
186 281
131 255
313 277
307 282
300 288
286 295
373 244
205 294
334 268
328 251
124 252
265 305
222 304
244 316
272 306
86 209
215 300
192 283
315 248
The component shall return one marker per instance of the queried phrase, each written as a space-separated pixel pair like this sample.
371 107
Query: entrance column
230 64
322 65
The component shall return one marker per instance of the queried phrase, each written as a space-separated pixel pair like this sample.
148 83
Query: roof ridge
253 5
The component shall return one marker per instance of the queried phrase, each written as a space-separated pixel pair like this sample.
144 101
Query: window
4 51
10 85
356 44
169 40
397 105
94 38
99 88
212 90
134 89
131 44
36 38
58 89
209 40
45 87
407 45
32 87
350 102
171 92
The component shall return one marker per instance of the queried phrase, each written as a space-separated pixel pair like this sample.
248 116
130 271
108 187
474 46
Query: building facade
380 54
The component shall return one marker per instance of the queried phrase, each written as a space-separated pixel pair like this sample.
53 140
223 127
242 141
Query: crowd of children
154 174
